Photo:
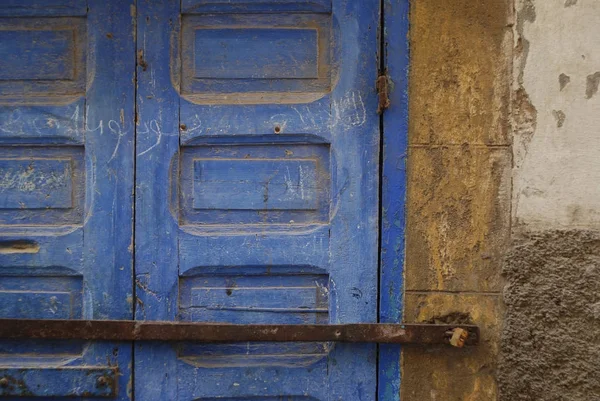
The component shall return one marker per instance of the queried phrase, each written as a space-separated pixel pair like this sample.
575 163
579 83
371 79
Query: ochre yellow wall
458 190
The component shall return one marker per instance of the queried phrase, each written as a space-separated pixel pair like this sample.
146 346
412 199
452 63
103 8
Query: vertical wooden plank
354 221
157 148
156 233
108 222
108 231
393 190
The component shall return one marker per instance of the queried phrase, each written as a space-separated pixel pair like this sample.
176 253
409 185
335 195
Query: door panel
66 182
257 192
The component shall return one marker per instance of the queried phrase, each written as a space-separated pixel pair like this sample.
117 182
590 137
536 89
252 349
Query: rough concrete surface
550 344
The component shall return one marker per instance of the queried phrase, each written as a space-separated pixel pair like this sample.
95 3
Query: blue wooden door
257 159
66 184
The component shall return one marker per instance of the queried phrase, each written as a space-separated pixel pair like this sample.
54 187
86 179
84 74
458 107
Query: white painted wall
557 169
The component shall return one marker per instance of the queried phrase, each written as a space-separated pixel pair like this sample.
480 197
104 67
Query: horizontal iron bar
130 330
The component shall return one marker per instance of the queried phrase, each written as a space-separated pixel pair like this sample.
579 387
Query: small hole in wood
277 129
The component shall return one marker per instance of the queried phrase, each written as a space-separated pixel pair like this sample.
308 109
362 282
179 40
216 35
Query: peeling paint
563 80
592 83
560 117
555 126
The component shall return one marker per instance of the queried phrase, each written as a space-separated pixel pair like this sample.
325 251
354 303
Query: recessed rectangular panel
262 184
299 299
261 398
47 382
237 53
302 251
256 299
240 57
30 55
47 125
40 297
36 183
255 184
205 6
31 8
256 354
42 60
35 305
41 185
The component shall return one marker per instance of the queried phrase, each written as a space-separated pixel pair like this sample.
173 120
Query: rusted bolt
459 337
4 382
277 129
182 127
102 381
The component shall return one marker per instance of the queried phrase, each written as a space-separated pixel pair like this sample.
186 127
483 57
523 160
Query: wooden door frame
394 54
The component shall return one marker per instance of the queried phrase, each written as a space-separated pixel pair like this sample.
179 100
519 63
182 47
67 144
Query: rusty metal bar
129 330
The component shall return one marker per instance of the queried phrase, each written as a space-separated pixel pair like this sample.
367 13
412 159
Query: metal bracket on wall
131 330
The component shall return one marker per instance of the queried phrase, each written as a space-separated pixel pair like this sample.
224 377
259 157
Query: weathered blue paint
251 298
393 196
61 124
287 184
50 66
59 382
66 184
42 185
45 54
271 58
276 53
245 6
255 184
50 297
43 8
257 192
156 223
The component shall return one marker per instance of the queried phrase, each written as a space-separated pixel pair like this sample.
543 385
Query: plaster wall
549 347
557 146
